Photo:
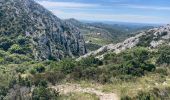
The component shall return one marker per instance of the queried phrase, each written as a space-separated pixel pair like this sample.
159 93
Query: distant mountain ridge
49 35
98 34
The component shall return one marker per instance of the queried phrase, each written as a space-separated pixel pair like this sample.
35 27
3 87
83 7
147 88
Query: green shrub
126 98
15 48
42 93
67 65
3 92
144 41
145 96
109 56
24 81
32 71
40 82
90 61
2 60
17 58
22 40
54 77
164 55
20 69
39 68
135 62
5 43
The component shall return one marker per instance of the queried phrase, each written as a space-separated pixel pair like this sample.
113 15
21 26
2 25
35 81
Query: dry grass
79 96
145 83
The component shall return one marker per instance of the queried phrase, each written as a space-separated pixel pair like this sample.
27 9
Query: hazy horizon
136 11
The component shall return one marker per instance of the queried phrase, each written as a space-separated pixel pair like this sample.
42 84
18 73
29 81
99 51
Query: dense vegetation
19 71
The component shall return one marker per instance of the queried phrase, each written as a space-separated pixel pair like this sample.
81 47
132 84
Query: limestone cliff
49 35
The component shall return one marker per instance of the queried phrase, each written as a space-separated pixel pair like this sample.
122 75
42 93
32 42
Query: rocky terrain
151 38
49 36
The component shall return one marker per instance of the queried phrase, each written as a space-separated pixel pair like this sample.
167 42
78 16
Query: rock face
50 36
151 38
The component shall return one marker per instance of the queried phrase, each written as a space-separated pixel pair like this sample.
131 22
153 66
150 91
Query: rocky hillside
151 38
48 36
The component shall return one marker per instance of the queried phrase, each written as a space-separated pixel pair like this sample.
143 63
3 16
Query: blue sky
139 11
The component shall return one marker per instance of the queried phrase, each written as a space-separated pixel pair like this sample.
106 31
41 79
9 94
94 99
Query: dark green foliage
145 40
16 58
5 43
67 65
1 13
54 77
92 47
22 40
126 98
133 62
12 82
123 66
90 61
20 69
32 71
24 81
43 93
16 49
15 44
3 92
145 96
110 56
52 58
164 55
39 68
42 83
164 33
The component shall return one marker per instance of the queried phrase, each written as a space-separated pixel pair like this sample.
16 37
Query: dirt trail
69 88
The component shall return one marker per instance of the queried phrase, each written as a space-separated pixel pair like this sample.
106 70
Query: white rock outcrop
158 36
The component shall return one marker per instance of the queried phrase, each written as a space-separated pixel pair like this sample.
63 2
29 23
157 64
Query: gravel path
69 88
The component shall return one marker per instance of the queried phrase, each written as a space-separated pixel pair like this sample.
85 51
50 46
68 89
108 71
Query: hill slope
151 38
48 36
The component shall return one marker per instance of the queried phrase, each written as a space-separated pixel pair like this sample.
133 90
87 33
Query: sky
136 11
